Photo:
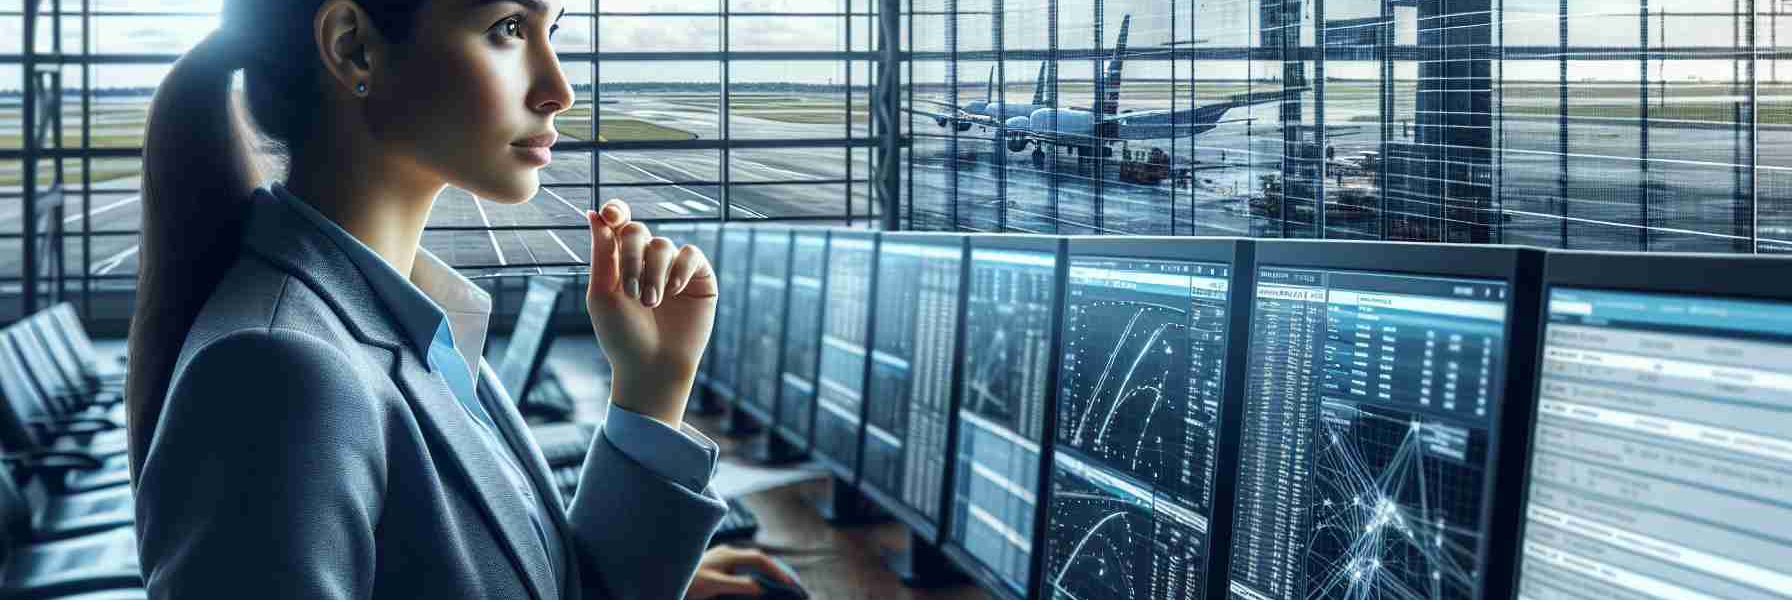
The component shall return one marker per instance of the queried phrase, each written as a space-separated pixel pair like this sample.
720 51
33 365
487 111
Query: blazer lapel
287 240
453 430
503 410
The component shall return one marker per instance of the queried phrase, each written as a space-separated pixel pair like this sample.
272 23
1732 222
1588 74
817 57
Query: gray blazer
306 452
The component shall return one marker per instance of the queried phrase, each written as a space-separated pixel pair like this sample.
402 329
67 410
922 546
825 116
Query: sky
1217 23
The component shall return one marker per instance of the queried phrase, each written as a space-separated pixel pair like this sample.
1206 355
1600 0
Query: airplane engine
1017 144
962 126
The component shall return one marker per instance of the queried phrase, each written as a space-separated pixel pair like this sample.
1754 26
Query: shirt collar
434 296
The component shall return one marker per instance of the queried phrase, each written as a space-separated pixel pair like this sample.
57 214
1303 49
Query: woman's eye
510 27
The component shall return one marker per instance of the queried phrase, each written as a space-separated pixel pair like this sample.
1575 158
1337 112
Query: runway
1689 179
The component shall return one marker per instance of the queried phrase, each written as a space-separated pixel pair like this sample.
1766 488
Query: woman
303 404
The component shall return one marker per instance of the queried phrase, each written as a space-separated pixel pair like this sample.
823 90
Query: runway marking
575 257
675 207
112 262
698 206
107 208
575 210
489 234
718 203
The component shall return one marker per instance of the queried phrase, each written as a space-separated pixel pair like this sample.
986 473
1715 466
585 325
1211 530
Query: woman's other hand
716 574
652 305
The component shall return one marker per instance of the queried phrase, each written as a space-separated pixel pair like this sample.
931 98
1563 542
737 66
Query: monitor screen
1009 309
529 339
703 236
1660 465
1139 396
845 331
763 337
1367 425
802 337
912 364
736 258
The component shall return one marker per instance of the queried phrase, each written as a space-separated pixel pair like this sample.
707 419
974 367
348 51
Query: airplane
987 112
1084 130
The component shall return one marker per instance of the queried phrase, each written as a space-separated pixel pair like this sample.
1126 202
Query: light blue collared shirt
682 456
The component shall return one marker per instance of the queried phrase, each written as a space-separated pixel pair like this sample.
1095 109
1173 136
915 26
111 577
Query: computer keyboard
739 524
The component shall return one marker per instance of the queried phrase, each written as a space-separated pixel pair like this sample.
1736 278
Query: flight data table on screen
912 365
845 332
1662 453
1367 418
1009 308
1132 477
731 308
763 329
802 337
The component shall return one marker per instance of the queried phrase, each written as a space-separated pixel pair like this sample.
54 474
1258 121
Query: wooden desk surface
835 563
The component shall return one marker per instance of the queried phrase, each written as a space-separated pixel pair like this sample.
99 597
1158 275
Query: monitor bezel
728 391
704 235
922 527
765 415
985 576
1232 252
848 474
789 436
1521 269
1738 276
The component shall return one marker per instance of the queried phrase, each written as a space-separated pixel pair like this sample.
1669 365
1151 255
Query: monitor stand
739 424
702 402
773 450
846 506
922 565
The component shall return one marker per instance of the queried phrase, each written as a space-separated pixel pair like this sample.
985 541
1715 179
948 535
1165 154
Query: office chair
73 567
92 453
64 320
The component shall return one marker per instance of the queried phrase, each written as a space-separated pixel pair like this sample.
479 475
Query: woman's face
473 96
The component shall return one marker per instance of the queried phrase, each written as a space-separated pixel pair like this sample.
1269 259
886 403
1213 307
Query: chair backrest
15 513
40 371
530 339
68 323
54 347
22 401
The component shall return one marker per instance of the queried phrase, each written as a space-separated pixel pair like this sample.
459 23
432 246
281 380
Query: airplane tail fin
1039 86
989 86
1111 103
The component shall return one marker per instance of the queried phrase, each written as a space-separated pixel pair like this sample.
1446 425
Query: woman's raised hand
652 305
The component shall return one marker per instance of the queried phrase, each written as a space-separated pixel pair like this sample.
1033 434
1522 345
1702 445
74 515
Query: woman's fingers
734 585
653 270
603 254
690 266
631 250
759 561
616 212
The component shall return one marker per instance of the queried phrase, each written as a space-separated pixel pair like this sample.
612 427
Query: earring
361 89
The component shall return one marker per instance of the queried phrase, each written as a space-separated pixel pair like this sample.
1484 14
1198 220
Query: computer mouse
775 589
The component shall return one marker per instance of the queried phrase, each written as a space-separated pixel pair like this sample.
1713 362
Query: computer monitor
530 339
1010 341
846 331
1150 332
914 356
802 337
1660 461
1384 380
706 236
733 276
762 341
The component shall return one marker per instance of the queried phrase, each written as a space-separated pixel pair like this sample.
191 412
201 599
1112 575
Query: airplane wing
1167 123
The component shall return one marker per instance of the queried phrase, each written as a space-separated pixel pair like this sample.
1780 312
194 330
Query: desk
835 563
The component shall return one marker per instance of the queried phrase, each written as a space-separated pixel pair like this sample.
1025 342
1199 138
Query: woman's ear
349 45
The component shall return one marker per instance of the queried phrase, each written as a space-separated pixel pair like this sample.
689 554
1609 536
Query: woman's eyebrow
535 5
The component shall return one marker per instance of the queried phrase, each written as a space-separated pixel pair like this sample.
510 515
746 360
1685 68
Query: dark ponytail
203 159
